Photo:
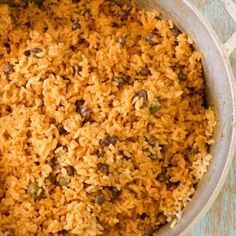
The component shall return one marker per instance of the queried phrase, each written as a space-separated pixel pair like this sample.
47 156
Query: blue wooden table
221 219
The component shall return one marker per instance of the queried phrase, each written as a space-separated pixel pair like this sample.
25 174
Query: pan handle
230 45
230 6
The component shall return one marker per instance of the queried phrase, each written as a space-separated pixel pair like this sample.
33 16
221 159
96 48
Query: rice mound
103 127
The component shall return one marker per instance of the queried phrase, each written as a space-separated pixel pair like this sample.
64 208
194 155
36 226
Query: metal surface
221 95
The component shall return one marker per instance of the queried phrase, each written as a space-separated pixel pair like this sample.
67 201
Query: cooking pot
220 92
220 95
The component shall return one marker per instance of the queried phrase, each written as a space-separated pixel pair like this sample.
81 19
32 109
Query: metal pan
220 94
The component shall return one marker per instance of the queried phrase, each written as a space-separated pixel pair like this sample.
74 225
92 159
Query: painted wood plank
217 15
233 64
230 7
221 219
230 45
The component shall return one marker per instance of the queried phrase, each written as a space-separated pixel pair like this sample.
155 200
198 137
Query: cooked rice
73 101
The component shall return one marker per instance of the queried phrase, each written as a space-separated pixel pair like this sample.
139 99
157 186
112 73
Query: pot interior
219 95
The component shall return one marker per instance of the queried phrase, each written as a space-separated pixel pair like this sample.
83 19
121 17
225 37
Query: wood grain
221 219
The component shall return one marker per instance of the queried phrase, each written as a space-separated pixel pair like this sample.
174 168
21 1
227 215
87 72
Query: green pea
100 199
64 181
35 191
182 76
154 108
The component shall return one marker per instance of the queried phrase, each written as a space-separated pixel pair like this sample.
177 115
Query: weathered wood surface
221 219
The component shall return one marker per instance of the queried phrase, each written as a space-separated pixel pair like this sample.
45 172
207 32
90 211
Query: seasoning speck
76 26
113 140
83 11
123 14
153 157
105 142
143 94
109 140
152 141
70 170
35 51
99 153
182 76
149 39
85 112
171 186
175 31
27 53
79 103
150 231
121 40
115 192
28 24
61 130
9 68
52 162
121 80
8 109
125 157
7 45
77 69
161 177
100 199
81 40
23 3
52 178
63 232
104 168
145 71
143 216
161 218
39 2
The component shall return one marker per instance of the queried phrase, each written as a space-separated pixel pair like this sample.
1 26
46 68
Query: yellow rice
41 91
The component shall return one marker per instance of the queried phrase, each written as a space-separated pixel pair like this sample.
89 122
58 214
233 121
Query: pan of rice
113 119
